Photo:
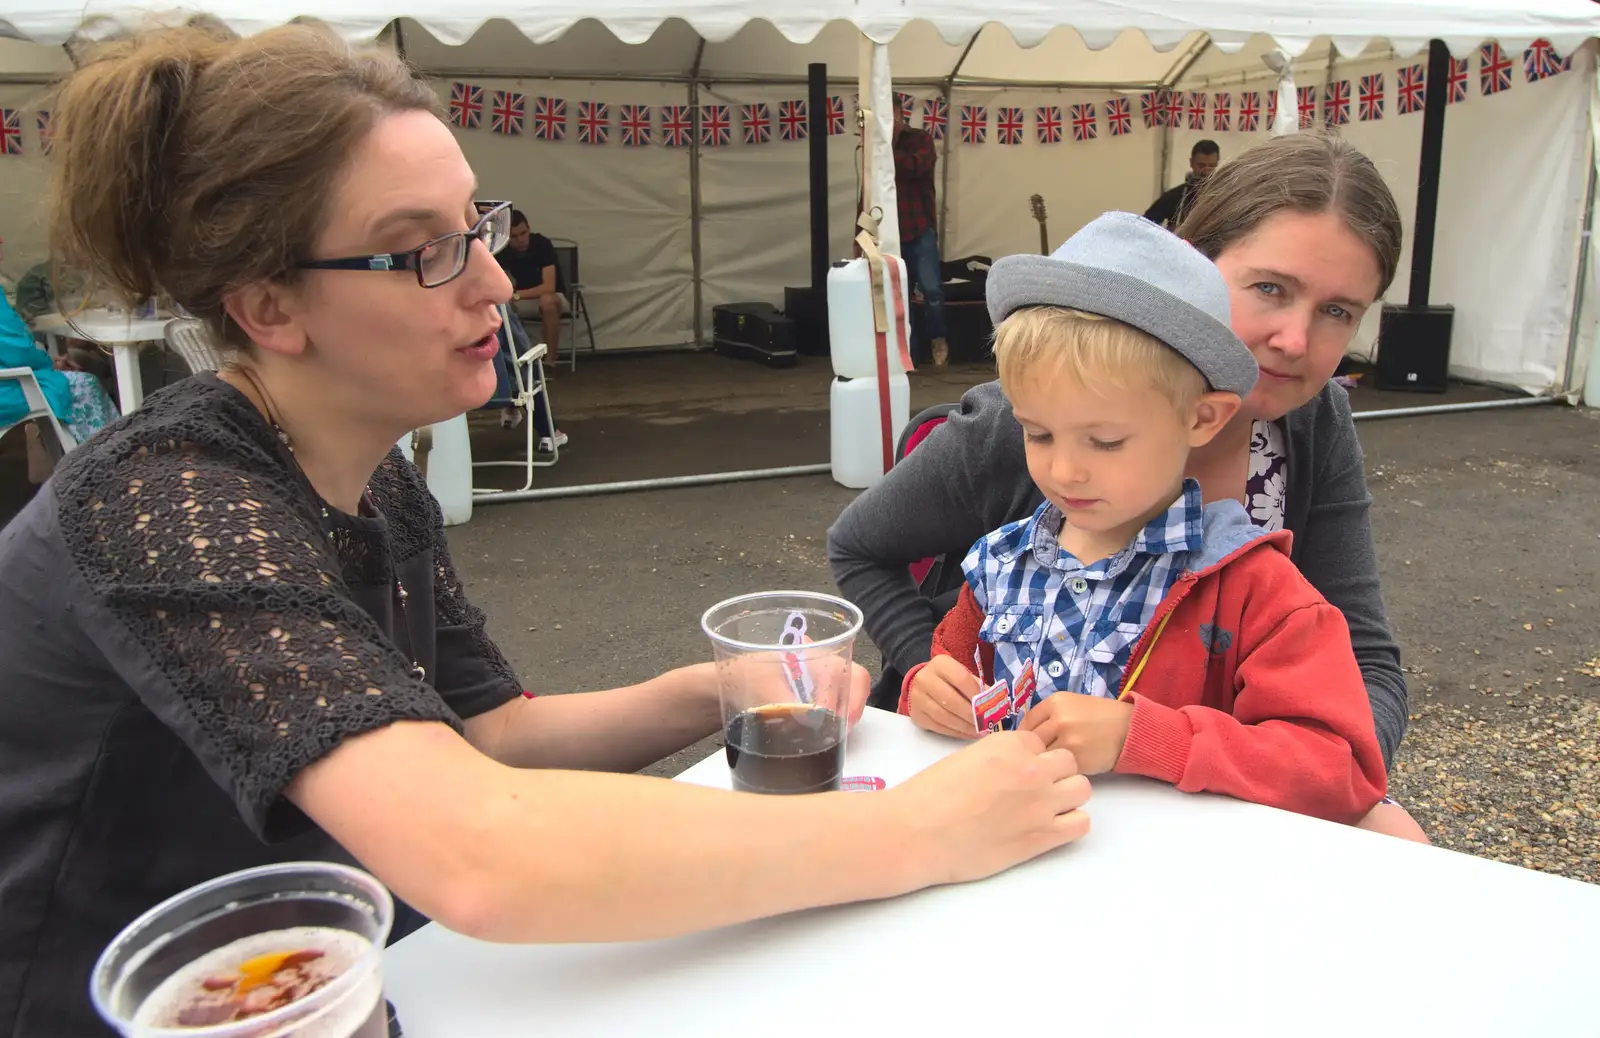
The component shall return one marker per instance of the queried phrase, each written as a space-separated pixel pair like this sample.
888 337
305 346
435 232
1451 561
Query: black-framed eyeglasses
439 261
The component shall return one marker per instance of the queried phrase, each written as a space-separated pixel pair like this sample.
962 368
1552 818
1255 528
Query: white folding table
1178 914
122 332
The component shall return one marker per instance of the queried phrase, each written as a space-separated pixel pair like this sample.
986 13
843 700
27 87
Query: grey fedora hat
1124 267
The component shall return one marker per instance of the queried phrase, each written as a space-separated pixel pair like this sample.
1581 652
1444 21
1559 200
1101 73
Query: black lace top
182 631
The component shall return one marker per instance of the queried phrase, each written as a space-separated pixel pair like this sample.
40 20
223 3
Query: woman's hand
1092 728
993 805
941 698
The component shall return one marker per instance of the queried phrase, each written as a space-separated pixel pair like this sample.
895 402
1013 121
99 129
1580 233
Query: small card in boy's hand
1022 693
991 706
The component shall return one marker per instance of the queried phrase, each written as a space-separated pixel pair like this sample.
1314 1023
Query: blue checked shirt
1077 623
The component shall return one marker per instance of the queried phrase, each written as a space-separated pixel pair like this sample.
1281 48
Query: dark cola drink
786 748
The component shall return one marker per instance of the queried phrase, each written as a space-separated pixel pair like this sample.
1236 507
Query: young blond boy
1188 646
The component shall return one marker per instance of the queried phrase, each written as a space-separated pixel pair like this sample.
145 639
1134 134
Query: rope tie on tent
886 317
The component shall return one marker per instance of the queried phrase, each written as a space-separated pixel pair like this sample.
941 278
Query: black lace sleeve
216 594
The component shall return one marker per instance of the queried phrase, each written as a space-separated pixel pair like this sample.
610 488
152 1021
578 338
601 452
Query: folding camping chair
577 307
528 385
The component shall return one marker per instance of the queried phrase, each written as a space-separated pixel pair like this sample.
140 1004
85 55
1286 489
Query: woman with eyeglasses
230 631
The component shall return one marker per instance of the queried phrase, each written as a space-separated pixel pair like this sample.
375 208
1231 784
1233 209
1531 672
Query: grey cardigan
970 476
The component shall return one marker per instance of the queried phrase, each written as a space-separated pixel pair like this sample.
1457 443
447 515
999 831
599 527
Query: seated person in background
513 344
36 295
1118 359
529 260
1170 209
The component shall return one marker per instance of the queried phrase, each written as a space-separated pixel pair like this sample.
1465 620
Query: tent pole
817 149
1428 173
400 40
695 259
947 90
1177 72
1585 231
659 483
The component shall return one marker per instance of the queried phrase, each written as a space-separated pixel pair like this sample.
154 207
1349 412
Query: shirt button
1003 625
1055 669
1078 585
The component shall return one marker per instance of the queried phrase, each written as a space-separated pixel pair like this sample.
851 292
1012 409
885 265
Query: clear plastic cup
783 676
258 912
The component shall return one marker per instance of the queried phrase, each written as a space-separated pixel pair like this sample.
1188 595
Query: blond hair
1099 353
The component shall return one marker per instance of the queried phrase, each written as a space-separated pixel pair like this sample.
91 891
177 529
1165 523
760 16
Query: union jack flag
1411 92
677 126
507 113
906 103
1175 108
1308 106
716 126
549 119
1272 108
1047 124
1222 113
1541 61
974 124
10 131
835 115
936 117
1008 125
594 122
635 121
1153 107
1085 126
1119 116
1336 106
1458 80
756 123
1249 112
466 105
794 121
47 133
1197 110
1494 69
1370 99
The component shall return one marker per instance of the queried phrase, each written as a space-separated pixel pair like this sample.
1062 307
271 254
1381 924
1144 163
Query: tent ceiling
1294 24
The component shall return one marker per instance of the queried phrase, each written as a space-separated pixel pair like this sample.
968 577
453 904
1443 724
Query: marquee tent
666 231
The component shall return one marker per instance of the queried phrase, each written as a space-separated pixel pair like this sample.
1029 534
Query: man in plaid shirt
914 158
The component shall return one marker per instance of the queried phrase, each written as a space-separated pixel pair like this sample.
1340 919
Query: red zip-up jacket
1251 690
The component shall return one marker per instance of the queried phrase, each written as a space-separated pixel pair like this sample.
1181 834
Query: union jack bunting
1541 61
794 121
549 119
594 122
677 126
10 131
466 105
974 124
1249 112
1336 106
1494 69
1222 113
936 117
716 126
507 113
836 115
1085 126
1197 110
635 121
1459 71
906 103
1411 89
1119 116
1370 98
755 122
1272 108
1047 123
47 135
1175 108
1308 106
1153 108
1008 126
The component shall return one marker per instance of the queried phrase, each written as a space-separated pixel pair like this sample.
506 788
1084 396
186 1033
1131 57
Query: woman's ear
1211 411
266 313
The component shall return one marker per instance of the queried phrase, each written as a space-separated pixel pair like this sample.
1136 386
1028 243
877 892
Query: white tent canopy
667 232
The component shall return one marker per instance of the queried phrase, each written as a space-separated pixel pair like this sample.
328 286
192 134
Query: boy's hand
1094 729
941 698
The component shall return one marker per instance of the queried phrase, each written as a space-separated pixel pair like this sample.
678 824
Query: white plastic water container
449 468
853 341
855 427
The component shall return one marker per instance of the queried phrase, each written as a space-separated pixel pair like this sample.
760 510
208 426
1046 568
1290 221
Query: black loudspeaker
755 331
809 312
1414 348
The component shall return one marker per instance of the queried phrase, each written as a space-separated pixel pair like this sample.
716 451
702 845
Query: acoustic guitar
1036 206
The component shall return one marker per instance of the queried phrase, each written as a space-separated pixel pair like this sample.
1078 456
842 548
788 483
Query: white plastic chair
528 384
38 412
187 338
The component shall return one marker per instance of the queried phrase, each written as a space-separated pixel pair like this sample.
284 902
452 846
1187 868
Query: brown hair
189 162
1300 173
1098 353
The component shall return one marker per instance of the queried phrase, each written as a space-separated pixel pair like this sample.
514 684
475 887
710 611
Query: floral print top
1266 487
